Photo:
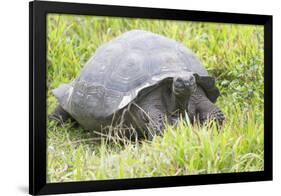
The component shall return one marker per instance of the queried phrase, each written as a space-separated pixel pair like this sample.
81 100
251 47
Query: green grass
231 53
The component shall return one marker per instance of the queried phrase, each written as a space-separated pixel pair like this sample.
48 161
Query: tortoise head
185 85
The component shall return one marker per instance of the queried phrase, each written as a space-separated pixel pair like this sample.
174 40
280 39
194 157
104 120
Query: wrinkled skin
165 102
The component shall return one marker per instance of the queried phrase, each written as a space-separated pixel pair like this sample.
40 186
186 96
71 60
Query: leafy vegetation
231 53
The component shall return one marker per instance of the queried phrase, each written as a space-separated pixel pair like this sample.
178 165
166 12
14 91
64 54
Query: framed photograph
131 97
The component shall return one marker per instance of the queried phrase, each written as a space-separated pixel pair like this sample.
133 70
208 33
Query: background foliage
233 54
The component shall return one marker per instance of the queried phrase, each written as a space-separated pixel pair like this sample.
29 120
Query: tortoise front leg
152 119
201 109
156 121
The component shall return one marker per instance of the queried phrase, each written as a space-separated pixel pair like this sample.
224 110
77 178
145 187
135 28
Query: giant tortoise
142 78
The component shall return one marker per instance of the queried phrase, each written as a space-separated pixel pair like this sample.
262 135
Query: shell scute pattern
190 61
103 62
132 71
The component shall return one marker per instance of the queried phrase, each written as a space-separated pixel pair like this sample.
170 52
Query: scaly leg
200 108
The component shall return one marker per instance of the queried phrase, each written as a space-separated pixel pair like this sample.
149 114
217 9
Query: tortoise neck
181 100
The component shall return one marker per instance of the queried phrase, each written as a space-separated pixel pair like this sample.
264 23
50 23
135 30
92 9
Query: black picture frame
38 11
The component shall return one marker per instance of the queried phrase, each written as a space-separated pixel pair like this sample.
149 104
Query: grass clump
182 150
233 54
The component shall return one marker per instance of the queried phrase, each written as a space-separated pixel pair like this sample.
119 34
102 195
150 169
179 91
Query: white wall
14 95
